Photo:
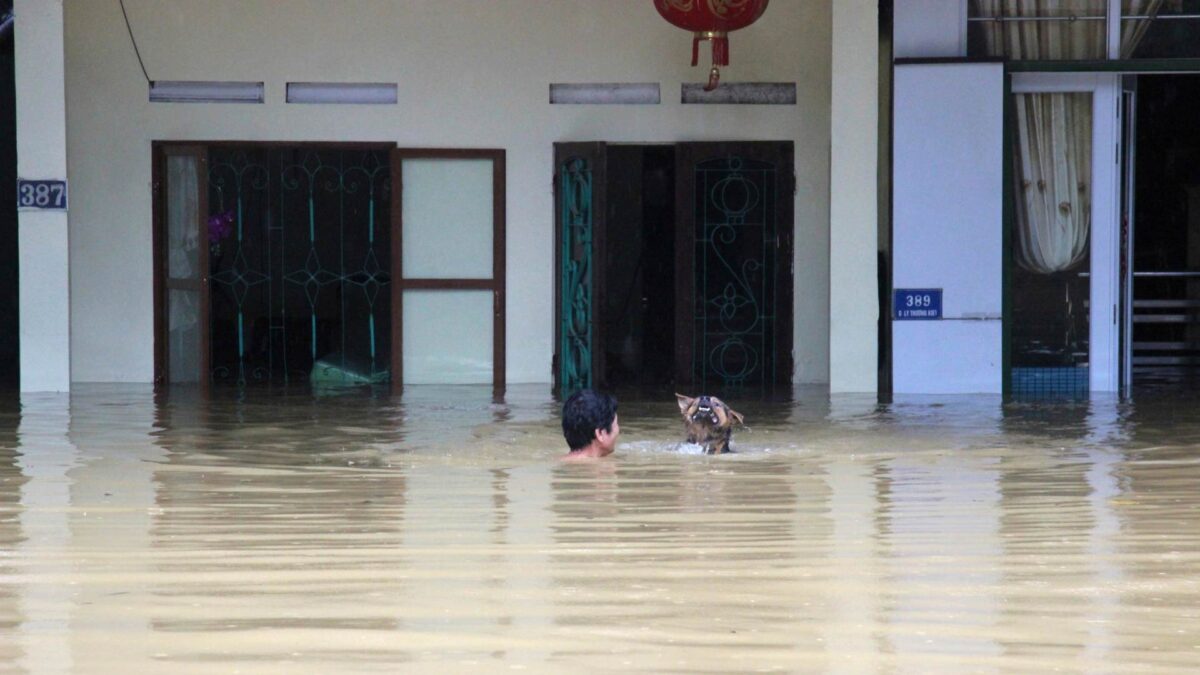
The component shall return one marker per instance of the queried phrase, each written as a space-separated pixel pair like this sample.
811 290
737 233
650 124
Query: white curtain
1133 31
1043 40
1054 162
183 262
183 232
1054 130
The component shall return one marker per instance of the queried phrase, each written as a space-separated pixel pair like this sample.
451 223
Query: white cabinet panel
948 224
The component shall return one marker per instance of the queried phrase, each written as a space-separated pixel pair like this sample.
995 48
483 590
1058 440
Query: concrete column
44 301
853 217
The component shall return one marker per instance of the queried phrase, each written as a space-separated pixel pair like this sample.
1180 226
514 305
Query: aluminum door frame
1104 323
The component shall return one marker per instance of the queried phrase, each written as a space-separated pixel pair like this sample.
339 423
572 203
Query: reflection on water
438 533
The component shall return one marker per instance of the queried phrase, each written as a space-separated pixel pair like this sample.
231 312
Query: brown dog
708 421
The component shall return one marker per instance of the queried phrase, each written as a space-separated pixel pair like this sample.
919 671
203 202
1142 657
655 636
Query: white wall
42 236
948 175
929 28
854 182
471 73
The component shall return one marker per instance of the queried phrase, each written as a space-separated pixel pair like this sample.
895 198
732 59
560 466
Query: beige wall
471 73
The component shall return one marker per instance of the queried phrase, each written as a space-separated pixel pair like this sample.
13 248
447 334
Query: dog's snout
705 412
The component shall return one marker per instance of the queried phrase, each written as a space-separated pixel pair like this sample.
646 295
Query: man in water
589 422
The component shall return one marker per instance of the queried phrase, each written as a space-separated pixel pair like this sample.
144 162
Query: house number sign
41 195
917 304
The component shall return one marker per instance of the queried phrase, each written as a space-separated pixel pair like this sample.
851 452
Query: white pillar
853 211
44 302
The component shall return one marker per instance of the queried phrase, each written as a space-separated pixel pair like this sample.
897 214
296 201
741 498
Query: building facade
1043 190
97 281
551 199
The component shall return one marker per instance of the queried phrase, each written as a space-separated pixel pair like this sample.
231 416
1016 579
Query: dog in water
708 421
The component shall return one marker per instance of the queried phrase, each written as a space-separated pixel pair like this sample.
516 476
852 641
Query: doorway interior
639 258
674 266
1163 200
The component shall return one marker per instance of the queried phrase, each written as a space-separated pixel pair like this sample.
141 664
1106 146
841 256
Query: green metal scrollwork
308 224
735 263
575 348
234 177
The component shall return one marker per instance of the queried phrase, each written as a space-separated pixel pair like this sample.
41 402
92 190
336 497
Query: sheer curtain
1054 168
1054 147
1054 131
1043 40
1133 31
183 264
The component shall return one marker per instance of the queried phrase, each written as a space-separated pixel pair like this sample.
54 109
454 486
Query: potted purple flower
220 226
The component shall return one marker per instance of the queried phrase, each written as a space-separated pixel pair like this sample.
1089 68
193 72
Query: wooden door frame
684 194
496 284
160 150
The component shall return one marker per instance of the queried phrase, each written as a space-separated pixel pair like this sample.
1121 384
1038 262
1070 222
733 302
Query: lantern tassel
720 50
714 79
720 46
720 54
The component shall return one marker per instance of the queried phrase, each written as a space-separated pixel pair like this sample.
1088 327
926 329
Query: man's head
589 416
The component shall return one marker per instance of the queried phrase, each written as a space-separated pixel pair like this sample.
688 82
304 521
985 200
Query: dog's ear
736 415
685 402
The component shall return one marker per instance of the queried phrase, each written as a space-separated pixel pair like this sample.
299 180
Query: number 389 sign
917 303
41 194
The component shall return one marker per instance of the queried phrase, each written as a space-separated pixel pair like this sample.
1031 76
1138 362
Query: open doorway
673 266
639 258
1165 238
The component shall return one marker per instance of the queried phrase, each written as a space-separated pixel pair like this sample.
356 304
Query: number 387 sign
41 194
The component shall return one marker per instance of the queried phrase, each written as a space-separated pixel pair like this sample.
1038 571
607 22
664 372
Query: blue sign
42 194
912 304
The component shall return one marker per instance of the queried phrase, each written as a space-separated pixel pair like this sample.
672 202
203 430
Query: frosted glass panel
183 235
447 337
184 335
447 219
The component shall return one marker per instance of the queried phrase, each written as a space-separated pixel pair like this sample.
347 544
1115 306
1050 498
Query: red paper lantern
711 20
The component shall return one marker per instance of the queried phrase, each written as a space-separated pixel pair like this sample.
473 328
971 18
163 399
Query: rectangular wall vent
368 93
741 93
185 91
605 93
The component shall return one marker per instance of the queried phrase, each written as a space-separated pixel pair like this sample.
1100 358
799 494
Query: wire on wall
134 41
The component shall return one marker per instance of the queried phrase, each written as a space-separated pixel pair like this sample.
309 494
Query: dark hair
583 413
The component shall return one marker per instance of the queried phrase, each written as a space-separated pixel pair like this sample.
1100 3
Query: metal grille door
299 256
576 311
735 272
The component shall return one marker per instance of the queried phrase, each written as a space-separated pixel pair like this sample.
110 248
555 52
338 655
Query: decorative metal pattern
575 350
735 261
1070 382
303 276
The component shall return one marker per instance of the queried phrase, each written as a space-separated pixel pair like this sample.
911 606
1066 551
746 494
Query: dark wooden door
580 178
733 281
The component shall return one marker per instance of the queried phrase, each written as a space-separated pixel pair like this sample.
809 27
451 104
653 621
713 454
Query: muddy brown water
438 533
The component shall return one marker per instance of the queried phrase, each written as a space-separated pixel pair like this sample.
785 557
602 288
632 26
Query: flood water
439 533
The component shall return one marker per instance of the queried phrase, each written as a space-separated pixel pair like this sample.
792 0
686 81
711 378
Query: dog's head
708 420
